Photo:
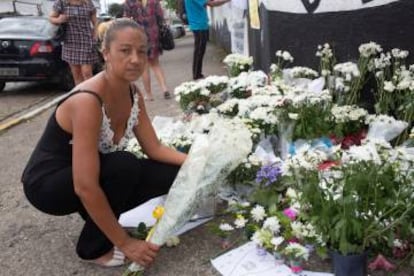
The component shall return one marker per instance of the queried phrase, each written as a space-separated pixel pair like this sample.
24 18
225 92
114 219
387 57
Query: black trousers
200 44
126 181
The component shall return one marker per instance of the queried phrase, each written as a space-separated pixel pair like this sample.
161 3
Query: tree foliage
116 10
171 4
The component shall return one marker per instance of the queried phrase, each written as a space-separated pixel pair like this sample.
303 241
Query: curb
20 119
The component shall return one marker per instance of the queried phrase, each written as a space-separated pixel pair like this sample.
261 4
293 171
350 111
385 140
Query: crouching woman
80 164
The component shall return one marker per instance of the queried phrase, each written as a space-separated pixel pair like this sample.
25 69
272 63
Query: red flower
327 165
334 139
347 142
296 268
381 262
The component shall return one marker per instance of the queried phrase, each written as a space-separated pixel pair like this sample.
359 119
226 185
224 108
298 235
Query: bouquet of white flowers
237 63
211 158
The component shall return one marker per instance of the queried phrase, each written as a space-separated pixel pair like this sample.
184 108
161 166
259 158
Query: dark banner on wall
301 25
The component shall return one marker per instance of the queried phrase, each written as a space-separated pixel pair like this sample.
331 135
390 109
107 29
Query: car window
24 25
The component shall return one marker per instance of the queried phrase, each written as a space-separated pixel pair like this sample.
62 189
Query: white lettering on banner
321 6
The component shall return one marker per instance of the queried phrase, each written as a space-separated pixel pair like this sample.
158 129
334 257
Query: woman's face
127 54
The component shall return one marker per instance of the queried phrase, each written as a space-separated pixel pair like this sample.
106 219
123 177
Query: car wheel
66 80
2 85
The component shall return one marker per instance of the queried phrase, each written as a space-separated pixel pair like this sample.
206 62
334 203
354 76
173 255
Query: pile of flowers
237 63
326 171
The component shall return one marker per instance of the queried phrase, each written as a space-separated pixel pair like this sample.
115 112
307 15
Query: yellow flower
240 216
158 212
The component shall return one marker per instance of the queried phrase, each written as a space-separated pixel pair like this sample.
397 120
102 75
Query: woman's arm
149 141
57 19
57 15
216 3
94 21
86 116
158 10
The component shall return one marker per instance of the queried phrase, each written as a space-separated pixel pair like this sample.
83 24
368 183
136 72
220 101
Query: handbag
166 38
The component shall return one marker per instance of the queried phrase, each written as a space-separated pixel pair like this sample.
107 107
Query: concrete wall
299 26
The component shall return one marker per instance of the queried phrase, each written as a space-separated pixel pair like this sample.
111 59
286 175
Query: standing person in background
79 42
147 13
196 11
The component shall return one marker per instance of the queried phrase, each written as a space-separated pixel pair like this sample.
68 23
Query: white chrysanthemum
325 51
262 237
347 113
240 221
399 54
226 227
264 114
258 213
389 86
369 49
398 243
228 106
293 116
383 61
245 204
348 70
254 160
236 58
268 90
303 72
287 56
273 224
306 158
404 84
297 251
363 153
276 241
291 193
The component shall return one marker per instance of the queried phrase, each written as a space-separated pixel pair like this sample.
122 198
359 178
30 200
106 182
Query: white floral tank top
106 142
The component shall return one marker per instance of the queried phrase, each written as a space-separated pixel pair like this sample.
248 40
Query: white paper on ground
244 261
143 213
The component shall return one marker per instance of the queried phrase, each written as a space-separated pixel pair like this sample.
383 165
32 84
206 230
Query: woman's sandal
118 259
167 95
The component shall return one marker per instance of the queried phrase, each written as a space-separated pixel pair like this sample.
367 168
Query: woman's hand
62 18
140 251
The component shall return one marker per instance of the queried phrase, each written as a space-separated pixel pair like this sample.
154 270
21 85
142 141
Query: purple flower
290 213
268 174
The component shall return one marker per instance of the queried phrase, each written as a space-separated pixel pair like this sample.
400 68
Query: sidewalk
38 244
177 66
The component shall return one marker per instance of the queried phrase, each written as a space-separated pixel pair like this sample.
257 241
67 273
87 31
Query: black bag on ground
165 36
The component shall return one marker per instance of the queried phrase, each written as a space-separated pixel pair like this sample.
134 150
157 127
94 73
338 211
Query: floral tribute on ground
328 172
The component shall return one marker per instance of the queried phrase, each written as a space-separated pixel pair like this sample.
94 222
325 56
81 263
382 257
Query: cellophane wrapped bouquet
211 158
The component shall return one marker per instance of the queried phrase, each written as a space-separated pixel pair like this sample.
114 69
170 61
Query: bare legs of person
155 66
81 72
146 81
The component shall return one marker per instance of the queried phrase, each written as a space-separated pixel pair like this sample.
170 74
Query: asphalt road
33 243
20 97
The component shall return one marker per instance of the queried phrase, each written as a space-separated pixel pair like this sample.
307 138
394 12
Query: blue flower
268 174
